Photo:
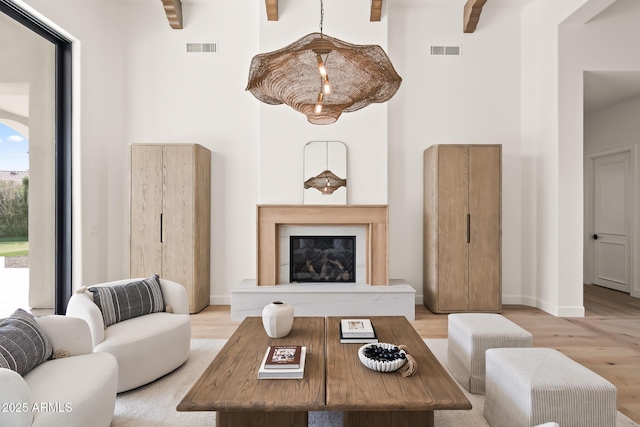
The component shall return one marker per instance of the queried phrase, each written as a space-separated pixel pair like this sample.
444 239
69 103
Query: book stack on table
357 331
283 362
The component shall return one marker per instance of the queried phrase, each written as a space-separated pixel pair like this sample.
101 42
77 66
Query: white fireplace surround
373 294
359 231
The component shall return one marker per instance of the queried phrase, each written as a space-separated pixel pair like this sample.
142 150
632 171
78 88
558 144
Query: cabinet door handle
468 228
161 229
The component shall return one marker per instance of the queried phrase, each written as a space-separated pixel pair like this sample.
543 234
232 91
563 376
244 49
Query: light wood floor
606 340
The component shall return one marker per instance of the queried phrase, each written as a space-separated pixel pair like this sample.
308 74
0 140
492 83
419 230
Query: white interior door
612 221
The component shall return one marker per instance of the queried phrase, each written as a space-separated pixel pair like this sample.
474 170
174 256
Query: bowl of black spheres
382 357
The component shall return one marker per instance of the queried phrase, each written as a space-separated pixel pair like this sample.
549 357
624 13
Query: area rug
154 405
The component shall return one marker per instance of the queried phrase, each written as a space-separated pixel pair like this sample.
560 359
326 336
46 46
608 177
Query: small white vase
277 319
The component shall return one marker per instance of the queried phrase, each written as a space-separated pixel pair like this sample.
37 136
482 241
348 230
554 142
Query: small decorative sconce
326 182
325 156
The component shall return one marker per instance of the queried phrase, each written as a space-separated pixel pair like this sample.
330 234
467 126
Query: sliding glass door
35 164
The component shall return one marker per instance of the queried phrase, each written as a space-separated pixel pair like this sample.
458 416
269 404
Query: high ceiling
472 10
602 89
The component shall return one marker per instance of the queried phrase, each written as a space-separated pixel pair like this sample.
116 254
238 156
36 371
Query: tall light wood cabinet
463 228
170 223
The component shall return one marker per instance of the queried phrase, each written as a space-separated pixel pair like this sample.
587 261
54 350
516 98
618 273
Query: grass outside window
14 246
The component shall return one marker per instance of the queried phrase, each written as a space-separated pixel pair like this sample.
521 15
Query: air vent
211 47
446 50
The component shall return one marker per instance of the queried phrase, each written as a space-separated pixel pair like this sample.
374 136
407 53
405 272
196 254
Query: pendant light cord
326 154
321 15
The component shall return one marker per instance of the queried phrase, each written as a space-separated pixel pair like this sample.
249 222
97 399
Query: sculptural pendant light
298 76
326 181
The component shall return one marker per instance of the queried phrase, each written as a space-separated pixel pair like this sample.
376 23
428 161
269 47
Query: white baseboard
553 309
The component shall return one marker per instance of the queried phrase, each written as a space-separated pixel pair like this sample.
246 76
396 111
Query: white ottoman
470 335
529 386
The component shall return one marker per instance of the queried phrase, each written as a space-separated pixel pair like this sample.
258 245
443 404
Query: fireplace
322 259
371 293
370 223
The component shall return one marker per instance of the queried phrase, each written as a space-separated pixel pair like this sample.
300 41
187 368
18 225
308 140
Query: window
59 153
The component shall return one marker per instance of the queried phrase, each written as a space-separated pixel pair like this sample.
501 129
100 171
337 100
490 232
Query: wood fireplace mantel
270 217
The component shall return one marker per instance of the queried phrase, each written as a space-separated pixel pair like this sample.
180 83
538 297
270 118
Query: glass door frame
63 155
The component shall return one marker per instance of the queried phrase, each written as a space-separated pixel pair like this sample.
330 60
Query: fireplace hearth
322 259
372 293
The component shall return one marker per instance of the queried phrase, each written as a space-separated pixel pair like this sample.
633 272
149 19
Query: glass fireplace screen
322 259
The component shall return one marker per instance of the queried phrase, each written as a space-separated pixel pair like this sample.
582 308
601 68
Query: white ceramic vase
277 319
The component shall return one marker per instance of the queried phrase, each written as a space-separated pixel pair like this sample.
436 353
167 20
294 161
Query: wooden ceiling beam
173 9
376 10
472 11
272 10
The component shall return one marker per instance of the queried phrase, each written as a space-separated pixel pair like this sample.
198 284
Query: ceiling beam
173 9
272 10
472 11
376 10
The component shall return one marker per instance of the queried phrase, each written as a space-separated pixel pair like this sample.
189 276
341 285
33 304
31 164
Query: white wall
551 143
178 97
472 99
612 128
98 215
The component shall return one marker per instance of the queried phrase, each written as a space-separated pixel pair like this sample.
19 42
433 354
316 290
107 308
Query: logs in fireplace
322 259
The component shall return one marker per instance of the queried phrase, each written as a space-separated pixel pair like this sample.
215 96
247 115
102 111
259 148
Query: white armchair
78 390
146 347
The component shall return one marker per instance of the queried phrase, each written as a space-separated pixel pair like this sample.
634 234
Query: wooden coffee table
230 384
372 399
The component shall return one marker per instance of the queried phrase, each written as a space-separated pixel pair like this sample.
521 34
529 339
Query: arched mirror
325 173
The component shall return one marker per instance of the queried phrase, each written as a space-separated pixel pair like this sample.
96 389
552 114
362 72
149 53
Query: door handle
161 226
595 237
468 228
